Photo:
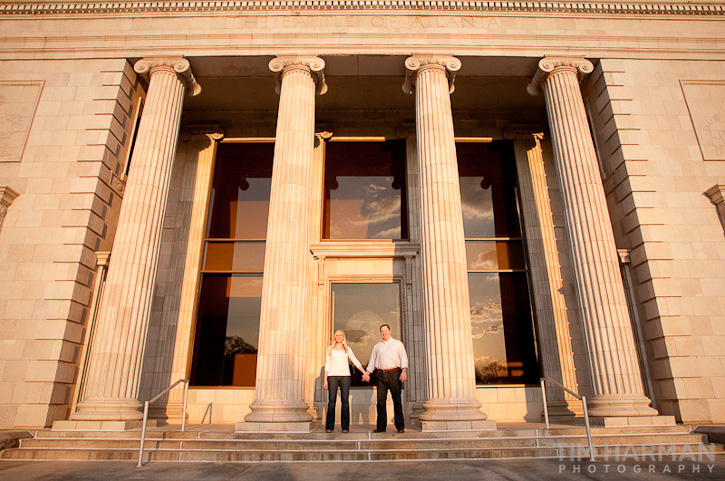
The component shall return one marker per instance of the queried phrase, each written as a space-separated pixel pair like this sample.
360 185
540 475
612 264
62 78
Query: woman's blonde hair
344 341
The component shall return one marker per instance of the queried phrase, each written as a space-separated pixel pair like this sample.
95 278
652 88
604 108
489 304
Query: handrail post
183 412
143 433
546 407
589 431
146 414
583 399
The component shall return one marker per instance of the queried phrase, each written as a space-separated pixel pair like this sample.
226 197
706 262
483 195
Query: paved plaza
478 470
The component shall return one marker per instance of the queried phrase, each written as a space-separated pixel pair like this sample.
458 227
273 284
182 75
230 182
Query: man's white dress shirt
388 355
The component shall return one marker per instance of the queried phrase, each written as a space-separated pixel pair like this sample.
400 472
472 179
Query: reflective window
501 315
365 194
227 325
359 309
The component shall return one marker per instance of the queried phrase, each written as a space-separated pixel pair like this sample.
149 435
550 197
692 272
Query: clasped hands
403 376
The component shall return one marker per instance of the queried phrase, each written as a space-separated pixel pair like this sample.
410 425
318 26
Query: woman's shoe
329 430
345 430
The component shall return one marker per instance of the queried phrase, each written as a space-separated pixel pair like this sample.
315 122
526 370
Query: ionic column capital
212 131
418 63
550 65
324 135
146 67
520 131
315 66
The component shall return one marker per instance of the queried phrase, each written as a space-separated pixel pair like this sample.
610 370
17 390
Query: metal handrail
146 414
584 404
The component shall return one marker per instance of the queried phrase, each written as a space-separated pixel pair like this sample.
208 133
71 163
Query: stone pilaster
554 338
451 398
279 403
195 155
116 357
614 370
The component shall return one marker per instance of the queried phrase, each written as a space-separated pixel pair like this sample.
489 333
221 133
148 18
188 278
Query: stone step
359 445
433 453
322 444
194 433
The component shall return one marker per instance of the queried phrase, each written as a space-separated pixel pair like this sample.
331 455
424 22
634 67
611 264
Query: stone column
451 385
614 370
114 370
279 403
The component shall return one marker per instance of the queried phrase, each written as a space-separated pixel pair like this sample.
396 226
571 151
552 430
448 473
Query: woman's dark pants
343 382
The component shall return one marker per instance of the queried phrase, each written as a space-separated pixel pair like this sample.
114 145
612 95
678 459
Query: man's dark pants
389 381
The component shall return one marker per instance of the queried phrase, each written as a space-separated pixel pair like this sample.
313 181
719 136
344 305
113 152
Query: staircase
199 445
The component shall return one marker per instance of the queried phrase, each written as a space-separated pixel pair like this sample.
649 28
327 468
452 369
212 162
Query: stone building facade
206 190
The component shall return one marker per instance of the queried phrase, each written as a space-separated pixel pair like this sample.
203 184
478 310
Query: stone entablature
66 8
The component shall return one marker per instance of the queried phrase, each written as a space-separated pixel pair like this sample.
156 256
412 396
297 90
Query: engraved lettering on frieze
706 103
18 102
381 22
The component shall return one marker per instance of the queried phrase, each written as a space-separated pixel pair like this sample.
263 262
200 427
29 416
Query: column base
619 406
109 410
452 411
267 427
100 425
278 413
433 426
622 421
559 411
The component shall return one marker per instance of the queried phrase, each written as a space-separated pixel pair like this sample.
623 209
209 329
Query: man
391 361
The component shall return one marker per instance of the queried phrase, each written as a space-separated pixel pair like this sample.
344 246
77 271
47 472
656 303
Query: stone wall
661 147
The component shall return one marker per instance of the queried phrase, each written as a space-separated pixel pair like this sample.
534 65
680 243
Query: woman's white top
336 363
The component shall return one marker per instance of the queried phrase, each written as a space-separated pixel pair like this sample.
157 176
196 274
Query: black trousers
389 381
343 382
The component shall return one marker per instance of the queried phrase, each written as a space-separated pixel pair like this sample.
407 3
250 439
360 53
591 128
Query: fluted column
280 388
451 398
615 376
116 358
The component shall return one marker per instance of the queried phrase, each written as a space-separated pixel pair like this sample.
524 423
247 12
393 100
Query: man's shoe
376 430
401 430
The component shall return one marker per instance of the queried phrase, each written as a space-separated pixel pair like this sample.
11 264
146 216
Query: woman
337 374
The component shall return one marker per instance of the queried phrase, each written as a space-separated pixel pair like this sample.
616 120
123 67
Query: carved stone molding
146 66
162 7
7 196
716 193
417 63
549 65
314 65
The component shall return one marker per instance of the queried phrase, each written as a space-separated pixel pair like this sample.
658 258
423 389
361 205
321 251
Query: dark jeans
343 382
389 381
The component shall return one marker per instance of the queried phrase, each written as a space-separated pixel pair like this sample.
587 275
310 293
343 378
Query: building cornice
119 8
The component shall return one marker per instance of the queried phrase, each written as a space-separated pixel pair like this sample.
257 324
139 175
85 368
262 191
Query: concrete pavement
461 470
